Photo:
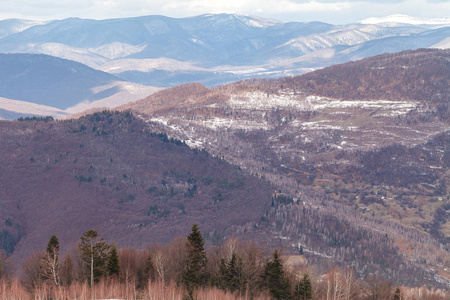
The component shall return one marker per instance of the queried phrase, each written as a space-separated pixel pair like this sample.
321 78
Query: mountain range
211 49
37 84
347 165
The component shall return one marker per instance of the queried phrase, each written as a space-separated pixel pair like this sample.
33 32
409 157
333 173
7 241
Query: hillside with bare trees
358 179
359 150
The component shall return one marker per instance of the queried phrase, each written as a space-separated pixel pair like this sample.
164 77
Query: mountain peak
405 19
251 21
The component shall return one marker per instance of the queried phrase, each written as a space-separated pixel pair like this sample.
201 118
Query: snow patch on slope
117 50
127 92
147 65
261 101
348 37
444 44
17 25
258 22
80 55
291 100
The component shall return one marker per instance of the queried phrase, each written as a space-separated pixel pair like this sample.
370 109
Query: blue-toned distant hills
161 51
49 80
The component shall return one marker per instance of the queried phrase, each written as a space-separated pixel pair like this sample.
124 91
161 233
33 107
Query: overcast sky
330 11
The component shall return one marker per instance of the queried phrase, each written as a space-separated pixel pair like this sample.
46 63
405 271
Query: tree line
234 270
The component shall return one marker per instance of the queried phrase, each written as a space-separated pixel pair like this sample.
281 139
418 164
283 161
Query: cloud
253 6
335 1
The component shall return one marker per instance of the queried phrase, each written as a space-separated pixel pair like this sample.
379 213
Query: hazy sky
331 11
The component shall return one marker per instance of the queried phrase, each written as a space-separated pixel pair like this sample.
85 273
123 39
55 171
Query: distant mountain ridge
49 80
38 84
216 48
11 26
405 19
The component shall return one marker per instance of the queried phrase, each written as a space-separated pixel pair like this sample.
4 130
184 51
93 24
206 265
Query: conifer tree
231 273
113 266
53 244
303 290
94 252
50 264
196 261
275 280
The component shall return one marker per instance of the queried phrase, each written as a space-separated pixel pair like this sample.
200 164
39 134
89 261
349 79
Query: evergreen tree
53 244
275 279
113 266
50 265
94 252
231 273
398 294
303 290
196 261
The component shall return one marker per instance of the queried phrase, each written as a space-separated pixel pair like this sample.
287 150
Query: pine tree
53 244
303 290
196 261
231 273
113 266
94 252
275 279
50 264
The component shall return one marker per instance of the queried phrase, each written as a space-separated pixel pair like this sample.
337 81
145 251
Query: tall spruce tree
113 266
50 265
303 290
94 252
196 261
231 273
275 279
53 244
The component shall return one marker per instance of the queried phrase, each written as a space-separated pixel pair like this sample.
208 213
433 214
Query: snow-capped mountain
216 48
11 26
405 19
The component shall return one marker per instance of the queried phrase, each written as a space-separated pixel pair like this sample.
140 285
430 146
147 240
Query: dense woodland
186 269
110 172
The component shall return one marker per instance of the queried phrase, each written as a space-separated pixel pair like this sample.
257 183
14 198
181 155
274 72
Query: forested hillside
362 172
110 172
358 183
